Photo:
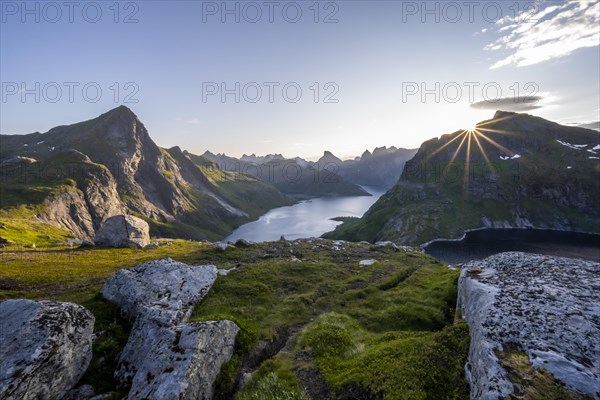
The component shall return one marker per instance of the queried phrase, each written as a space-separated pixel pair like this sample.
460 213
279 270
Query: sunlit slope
514 170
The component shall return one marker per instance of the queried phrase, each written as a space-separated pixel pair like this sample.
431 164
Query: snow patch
572 146
594 158
510 158
363 263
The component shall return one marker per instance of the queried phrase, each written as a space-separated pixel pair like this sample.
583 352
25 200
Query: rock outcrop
548 307
45 348
123 231
165 357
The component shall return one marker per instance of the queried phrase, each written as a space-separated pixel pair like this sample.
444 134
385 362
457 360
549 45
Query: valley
225 255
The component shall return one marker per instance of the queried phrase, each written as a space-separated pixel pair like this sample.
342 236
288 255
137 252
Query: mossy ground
314 323
531 383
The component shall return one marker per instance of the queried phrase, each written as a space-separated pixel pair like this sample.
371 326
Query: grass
347 316
313 323
530 383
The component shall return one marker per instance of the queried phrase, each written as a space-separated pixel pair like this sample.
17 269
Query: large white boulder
45 348
165 357
123 231
548 306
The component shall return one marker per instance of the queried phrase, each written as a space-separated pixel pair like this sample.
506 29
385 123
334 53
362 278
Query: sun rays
473 142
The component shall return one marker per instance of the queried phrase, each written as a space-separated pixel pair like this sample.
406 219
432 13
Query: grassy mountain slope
74 177
515 170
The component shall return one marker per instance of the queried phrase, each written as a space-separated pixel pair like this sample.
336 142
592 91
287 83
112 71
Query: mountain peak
121 110
503 114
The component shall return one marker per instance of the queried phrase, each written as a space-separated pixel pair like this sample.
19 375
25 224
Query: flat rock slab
548 306
165 357
45 348
163 290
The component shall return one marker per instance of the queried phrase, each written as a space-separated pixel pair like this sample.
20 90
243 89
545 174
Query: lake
309 218
479 244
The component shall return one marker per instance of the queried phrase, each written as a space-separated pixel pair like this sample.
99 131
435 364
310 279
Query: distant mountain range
74 177
515 170
381 169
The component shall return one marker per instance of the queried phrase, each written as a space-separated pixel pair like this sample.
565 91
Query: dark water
483 243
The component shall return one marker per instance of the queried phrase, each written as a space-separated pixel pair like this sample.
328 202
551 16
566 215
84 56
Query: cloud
517 104
193 121
550 32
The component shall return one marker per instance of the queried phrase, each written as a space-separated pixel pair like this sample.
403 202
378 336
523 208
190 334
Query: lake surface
309 218
480 244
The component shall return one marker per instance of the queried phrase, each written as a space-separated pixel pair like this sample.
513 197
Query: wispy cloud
551 32
193 121
517 104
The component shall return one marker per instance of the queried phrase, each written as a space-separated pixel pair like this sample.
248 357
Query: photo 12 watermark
269 92
52 12
469 11
252 12
71 92
454 92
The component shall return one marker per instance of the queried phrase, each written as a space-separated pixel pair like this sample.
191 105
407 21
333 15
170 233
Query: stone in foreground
166 358
178 362
123 231
45 348
549 307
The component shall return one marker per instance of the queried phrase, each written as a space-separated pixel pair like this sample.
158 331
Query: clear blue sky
374 53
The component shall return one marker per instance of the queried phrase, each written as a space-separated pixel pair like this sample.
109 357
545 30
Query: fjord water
306 219
479 244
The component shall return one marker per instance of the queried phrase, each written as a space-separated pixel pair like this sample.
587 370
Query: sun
472 127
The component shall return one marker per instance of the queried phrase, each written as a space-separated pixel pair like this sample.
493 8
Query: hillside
67 181
315 322
515 170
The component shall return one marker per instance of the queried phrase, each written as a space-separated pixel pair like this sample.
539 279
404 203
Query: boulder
123 231
163 290
175 362
548 307
45 348
165 357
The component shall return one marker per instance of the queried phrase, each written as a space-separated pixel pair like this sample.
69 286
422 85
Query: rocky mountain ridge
82 174
513 171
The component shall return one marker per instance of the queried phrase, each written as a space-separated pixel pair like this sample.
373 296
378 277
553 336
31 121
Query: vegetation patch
313 322
532 383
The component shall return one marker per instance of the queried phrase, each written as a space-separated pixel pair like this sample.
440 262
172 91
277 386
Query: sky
301 77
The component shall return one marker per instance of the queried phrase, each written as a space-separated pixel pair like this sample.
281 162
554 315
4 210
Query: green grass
18 224
324 314
359 314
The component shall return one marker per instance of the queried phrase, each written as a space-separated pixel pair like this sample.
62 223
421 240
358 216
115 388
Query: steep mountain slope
76 176
515 170
381 168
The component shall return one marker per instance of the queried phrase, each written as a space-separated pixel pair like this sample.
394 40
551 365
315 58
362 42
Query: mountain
294 177
515 170
382 168
74 177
